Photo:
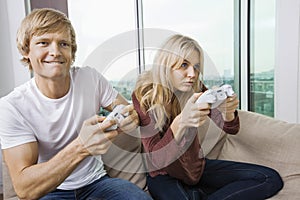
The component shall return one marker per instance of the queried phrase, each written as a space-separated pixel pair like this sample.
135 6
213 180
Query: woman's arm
231 127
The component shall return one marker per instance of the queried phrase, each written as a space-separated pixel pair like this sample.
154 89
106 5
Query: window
262 56
120 37
211 24
215 34
106 40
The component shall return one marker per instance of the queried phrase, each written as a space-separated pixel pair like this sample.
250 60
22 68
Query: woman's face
184 77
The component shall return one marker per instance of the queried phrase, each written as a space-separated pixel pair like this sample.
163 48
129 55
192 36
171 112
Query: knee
275 182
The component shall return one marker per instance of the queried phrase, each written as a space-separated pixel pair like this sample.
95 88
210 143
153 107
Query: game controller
116 115
216 96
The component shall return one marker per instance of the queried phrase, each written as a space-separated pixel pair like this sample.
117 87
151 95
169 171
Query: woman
165 101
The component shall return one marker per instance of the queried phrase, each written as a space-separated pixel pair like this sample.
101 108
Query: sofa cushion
124 159
270 142
211 138
8 190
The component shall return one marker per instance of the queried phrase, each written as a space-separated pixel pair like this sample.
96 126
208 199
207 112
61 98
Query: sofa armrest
270 142
8 190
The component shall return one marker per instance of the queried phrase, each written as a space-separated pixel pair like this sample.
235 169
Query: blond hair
154 89
39 22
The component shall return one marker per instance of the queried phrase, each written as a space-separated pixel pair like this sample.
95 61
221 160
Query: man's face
50 55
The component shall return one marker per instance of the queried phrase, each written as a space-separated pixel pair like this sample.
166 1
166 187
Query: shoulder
86 73
83 71
19 94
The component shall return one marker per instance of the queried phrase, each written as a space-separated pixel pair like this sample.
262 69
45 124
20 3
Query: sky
210 22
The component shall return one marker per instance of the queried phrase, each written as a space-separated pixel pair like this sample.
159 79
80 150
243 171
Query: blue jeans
105 188
220 180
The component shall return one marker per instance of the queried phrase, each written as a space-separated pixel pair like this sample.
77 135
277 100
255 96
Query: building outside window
262 56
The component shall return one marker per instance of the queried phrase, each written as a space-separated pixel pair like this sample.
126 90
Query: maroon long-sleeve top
184 161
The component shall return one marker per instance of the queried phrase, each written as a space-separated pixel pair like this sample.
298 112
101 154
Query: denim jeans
220 180
105 188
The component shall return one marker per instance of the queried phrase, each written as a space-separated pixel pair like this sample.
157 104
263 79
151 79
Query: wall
7 76
287 73
12 72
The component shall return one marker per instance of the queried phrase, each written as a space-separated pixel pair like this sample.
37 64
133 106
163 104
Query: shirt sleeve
89 81
107 93
231 127
13 129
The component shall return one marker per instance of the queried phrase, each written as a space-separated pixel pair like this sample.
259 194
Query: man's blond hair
39 22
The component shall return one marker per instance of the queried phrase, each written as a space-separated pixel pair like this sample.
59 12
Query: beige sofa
261 140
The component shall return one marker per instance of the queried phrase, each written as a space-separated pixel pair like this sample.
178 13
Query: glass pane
106 39
208 22
262 56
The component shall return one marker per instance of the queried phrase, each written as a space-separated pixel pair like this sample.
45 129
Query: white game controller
216 96
116 115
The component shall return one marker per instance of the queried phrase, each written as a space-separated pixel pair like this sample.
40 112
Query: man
51 137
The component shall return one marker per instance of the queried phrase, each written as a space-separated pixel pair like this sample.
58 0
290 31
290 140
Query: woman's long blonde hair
154 89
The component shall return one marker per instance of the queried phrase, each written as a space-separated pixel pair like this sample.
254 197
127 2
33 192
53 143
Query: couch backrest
270 142
267 141
8 190
124 159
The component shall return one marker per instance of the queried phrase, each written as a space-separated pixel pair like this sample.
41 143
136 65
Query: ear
25 51
25 55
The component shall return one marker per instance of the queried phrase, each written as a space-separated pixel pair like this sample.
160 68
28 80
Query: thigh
60 194
165 187
218 173
243 179
113 189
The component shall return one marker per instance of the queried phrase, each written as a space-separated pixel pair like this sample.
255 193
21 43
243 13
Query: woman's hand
228 108
130 122
192 115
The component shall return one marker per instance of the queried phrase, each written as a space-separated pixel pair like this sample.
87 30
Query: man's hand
93 136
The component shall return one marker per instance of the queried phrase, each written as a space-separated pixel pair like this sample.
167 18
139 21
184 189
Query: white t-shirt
26 115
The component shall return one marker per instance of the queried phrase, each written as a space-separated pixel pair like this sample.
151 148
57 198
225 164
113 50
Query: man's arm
32 180
119 100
